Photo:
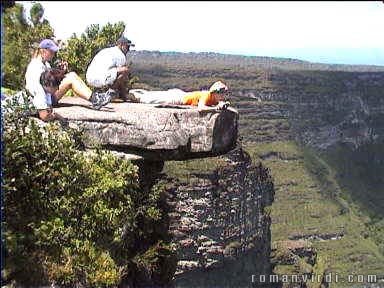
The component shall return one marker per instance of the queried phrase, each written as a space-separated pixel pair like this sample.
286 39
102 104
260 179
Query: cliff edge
155 132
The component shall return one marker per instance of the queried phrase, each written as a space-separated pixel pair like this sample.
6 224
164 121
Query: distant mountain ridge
263 62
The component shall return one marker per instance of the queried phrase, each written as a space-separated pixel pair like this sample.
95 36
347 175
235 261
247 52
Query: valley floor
309 206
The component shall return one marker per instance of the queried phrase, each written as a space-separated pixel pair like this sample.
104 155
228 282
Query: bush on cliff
73 218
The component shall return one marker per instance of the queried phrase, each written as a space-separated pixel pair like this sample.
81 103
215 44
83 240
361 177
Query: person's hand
122 69
223 105
63 65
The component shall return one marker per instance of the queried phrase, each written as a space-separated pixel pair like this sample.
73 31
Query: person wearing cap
109 70
44 100
205 100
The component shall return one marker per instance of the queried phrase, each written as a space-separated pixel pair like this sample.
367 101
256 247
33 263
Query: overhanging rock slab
155 132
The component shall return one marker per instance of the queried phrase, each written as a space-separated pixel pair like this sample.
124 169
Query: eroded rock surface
156 132
219 224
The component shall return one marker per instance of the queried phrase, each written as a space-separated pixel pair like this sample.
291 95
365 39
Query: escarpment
316 108
220 224
217 222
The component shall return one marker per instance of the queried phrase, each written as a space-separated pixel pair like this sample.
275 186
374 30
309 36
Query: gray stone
220 238
152 131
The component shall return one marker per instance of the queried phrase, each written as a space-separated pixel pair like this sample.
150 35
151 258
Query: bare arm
204 108
122 69
49 115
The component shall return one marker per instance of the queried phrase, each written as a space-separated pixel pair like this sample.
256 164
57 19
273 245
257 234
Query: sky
339 32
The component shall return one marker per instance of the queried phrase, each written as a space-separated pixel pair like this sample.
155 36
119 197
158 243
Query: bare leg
74 82
171 96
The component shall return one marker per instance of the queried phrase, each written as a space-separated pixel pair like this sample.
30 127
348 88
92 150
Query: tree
37 12
79 51
74 218
20 39
6 4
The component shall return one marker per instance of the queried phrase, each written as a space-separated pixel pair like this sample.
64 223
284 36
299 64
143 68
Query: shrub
79 51
72 217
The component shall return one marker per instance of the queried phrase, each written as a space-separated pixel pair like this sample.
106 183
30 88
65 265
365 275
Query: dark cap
125 41
49 44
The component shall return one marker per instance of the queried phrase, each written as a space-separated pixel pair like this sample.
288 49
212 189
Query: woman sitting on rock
43 100
50 81
205 100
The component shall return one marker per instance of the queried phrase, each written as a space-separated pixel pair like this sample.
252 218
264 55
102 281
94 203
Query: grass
309 201
185 170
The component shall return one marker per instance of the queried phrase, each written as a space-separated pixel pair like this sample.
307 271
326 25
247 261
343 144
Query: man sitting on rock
205 100
108 70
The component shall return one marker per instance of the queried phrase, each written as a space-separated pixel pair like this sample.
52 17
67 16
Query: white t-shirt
41 99
102 70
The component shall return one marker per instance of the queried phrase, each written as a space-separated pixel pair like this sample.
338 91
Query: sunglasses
223 92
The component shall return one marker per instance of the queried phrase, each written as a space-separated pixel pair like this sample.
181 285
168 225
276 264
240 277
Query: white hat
218 87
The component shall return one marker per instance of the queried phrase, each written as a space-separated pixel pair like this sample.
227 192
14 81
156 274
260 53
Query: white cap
218 86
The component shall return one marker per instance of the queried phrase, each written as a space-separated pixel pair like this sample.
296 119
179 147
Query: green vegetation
77 219
79 51
7 91
310 202
361 170
185 170
65 217
20 40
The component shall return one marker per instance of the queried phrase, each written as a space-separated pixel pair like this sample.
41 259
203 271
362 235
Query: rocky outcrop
219 223
153 131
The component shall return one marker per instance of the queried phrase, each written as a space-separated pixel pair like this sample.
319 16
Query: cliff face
321 108
219 224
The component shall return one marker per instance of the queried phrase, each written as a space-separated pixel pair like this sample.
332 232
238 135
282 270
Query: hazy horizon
304 55
340 32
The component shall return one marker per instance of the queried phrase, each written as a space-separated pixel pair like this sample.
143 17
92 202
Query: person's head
124 44
220 90
47 49
51 79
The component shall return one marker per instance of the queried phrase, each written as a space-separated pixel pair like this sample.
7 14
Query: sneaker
111 92
99 99
132 98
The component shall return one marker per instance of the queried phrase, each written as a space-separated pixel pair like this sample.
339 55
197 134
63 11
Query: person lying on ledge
206 100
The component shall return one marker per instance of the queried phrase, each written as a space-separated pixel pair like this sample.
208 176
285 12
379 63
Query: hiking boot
99 99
